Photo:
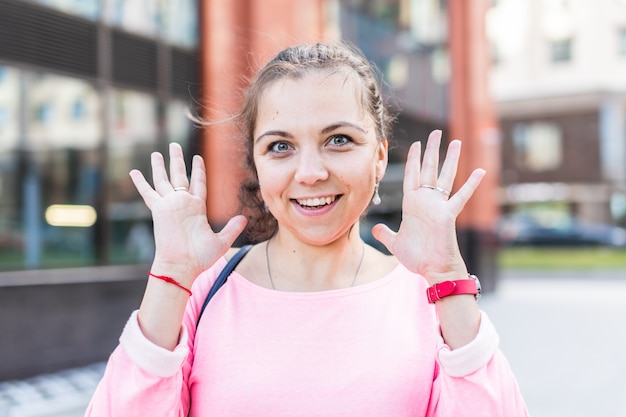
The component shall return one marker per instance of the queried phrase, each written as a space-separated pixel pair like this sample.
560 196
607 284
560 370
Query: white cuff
148 356
473 356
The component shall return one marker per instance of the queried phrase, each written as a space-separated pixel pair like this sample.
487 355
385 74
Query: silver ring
441 190
181 189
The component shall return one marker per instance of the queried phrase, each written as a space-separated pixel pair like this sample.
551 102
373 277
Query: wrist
459 272
467 286
178 271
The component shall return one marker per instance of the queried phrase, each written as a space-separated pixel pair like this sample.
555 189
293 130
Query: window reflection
52 164
137 16
67 143
9 101
49 156
89 9
62 112
538 145
60 164
69 177
179 128
180 22
10 236
134 129
174 20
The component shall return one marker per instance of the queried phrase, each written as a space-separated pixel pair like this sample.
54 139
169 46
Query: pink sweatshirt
371 350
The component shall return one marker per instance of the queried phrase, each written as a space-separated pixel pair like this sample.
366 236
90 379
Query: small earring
376 199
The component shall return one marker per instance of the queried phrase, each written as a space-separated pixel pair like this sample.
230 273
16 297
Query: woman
312 321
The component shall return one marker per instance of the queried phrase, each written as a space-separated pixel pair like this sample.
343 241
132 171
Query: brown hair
295 62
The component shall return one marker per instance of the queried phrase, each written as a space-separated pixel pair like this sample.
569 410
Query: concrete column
473 120
223 66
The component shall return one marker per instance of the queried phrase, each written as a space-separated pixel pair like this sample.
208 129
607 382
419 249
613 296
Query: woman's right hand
185 243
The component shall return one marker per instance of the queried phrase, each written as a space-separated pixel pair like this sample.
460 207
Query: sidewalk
564 334
60 394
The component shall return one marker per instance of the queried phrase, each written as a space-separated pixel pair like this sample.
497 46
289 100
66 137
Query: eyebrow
339 125
324 131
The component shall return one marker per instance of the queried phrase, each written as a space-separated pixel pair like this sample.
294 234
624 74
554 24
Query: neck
297 266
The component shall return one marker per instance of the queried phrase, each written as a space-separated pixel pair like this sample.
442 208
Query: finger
450 165
462 196
233 228
146 192
430 163
178 171
159 174
198 177
384 235
412 168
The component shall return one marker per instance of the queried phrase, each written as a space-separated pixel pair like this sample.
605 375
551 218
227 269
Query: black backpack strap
223 276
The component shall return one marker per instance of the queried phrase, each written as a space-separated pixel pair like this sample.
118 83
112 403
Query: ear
382 158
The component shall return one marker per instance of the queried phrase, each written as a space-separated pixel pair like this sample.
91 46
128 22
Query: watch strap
447 288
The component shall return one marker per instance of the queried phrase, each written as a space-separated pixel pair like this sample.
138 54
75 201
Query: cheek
271 182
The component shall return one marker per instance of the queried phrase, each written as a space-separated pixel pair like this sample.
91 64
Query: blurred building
89 88
558 79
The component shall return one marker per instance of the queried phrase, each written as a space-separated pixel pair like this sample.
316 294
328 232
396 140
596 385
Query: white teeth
316 202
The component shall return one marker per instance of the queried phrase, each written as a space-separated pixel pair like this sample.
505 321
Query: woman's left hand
426 242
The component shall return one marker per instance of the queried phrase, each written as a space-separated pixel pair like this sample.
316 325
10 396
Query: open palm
426 241
184 239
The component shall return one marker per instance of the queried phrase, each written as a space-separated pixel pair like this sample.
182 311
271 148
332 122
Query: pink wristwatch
447 288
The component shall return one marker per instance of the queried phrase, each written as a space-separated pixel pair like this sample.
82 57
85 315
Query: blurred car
525 230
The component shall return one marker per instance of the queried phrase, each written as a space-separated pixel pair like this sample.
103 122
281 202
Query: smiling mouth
317 202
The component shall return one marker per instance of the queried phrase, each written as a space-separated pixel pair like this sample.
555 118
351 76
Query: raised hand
185 242
426 241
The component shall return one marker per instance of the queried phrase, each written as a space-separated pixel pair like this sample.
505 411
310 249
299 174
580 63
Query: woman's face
317 155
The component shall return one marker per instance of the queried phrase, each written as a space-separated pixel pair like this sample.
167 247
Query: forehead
314 95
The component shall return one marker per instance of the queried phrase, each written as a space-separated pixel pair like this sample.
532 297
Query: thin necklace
269 272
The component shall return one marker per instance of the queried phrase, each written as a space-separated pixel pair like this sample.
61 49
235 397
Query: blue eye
279 147
339 140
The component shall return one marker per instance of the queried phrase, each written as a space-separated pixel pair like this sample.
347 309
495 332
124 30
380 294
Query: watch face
479 288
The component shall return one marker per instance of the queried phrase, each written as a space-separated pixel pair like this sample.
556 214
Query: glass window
561 50
62 190
62 112
10 234
179 126
622 41
9 108
50 180
180 23
133 127
89 9
137 16
538 145
62 182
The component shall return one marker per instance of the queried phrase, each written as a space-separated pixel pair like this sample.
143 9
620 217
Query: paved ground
563 332
62 394
565 336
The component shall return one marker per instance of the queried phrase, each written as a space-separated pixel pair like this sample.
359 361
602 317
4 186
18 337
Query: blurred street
563 333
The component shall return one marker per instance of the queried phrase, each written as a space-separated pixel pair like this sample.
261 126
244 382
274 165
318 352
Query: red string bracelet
171 281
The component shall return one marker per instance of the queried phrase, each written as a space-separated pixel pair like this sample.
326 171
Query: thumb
384 235
233 228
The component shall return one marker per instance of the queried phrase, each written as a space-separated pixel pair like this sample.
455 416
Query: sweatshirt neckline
242 281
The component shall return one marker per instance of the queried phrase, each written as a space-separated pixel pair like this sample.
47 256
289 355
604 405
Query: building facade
558 80
87 90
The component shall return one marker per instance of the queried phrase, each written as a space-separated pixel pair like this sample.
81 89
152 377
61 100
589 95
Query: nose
311 167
